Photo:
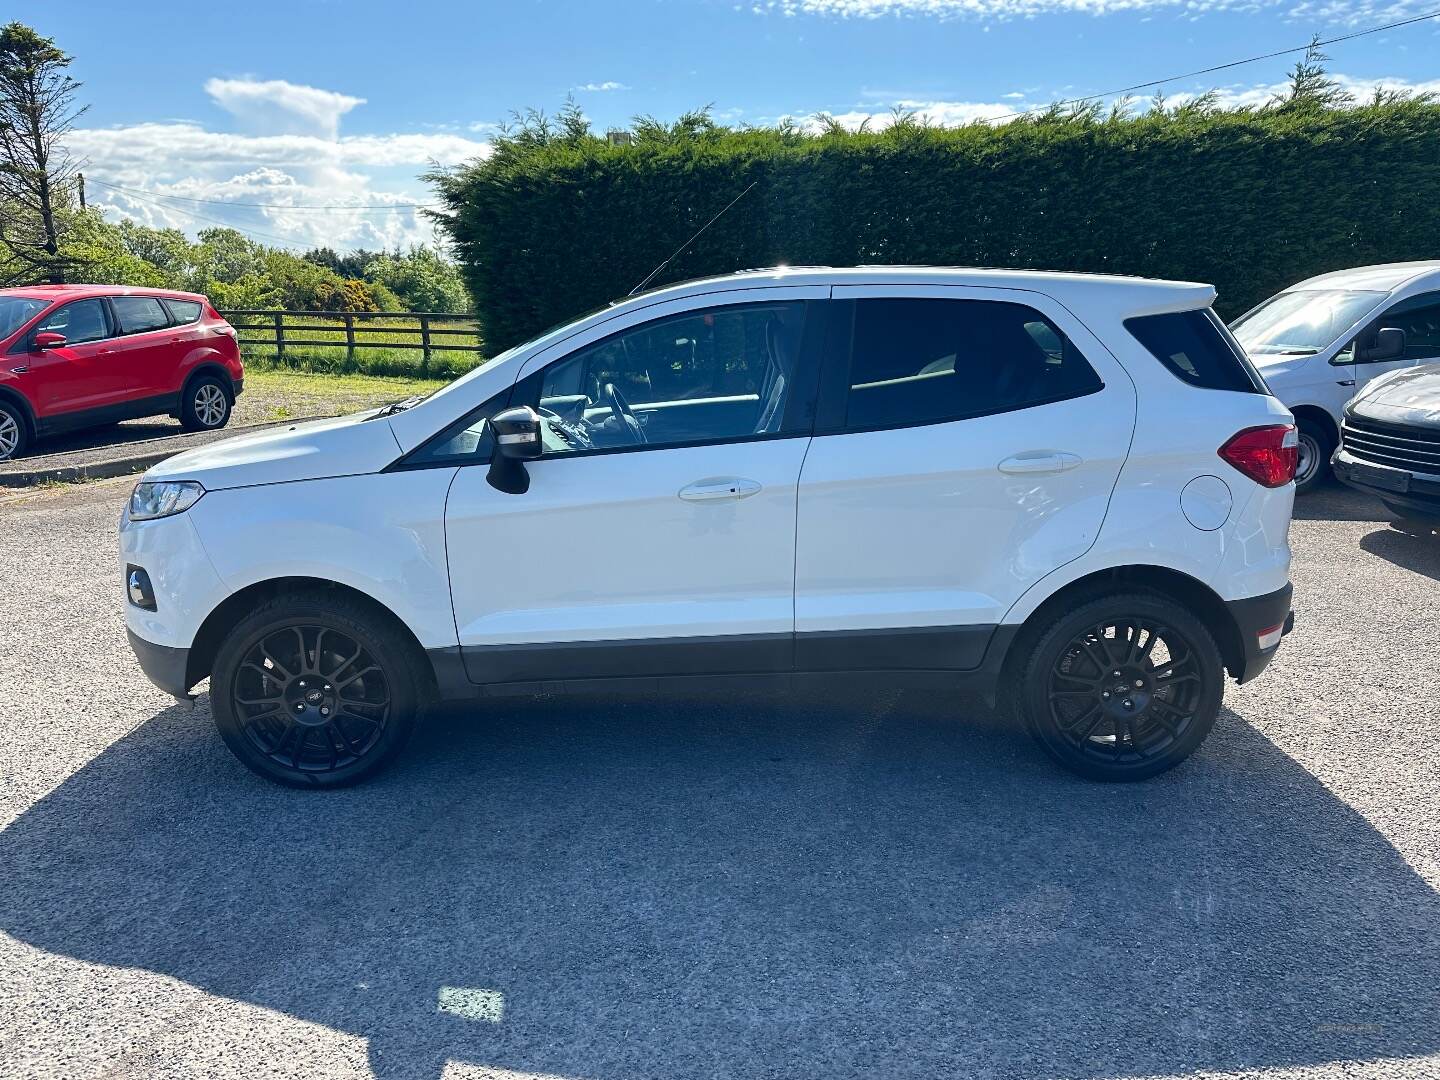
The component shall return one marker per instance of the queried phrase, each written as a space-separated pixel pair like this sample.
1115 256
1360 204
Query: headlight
163 498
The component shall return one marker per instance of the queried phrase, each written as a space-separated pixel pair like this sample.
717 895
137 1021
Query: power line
1219 67
262 206
288 242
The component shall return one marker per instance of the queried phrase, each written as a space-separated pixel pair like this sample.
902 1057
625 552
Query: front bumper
1417 493
1256 618
167 668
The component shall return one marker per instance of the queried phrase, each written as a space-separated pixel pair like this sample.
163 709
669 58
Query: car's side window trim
834 396
799 415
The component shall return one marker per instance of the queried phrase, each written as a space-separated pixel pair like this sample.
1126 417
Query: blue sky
323 102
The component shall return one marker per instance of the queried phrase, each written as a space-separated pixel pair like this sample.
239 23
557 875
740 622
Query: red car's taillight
1266 455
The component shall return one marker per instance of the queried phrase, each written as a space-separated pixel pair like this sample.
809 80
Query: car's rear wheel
205 405
316 690
1122 687
1312 463
14 436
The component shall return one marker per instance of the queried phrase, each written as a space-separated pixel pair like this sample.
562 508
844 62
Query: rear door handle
1344 382
1040 461
719 487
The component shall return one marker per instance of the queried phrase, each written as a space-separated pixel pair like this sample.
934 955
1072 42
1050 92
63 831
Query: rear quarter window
182 311
1194 348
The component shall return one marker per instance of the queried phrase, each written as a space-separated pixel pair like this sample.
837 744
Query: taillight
1266 455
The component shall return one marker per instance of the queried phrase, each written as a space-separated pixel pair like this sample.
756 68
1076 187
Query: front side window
82 321
137 314
706 376
1301 323
1419 317
926 361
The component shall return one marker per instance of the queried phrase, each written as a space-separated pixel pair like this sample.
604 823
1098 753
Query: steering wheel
620 409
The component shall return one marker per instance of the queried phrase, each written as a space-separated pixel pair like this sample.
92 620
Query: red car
74 356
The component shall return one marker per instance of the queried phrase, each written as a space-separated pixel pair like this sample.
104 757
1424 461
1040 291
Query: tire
1316 446
14 433
205 404
1134 725
332 732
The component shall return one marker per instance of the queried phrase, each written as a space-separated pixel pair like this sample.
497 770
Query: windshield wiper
397 406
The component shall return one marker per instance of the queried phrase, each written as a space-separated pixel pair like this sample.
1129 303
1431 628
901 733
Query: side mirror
48 339
517 440
1388 343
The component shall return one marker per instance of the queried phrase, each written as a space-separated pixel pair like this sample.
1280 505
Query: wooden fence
281 330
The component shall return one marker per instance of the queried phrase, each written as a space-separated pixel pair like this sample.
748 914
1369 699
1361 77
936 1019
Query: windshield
1302 322
16 311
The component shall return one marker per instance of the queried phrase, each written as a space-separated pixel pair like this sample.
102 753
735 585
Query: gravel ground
269 396
880 885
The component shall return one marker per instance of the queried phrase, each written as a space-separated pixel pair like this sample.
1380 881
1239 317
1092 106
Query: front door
657 536
72 379
1419 318
967 444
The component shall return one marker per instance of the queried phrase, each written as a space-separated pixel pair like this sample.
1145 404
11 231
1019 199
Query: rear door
147 349
966 445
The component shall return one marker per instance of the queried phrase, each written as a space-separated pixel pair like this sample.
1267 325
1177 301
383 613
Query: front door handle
719 487
1040 461
1344 382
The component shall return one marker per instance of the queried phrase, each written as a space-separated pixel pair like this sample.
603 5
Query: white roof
1128 294
1380 278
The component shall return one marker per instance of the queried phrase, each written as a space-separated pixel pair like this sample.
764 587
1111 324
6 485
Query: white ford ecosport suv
1069 491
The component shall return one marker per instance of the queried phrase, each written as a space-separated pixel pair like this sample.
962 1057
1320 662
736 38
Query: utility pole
82 189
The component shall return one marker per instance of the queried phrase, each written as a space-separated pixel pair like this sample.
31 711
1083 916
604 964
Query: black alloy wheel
311 698
316 690
1123 688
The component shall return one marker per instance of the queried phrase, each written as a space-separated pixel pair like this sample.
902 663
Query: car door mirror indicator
517 440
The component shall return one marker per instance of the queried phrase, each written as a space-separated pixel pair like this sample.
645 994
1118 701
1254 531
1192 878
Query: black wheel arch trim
27 412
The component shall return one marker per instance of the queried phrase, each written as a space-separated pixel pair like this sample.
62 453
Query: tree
1311 85
37 109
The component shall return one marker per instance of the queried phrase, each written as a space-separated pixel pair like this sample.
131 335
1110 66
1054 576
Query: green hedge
557 221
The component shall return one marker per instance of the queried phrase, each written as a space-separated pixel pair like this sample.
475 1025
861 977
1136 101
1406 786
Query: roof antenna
653 273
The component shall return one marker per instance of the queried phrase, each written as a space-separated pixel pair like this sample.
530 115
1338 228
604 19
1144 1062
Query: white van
1320 342
1069 491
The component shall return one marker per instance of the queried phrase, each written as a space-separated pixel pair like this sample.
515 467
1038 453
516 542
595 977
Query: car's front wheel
316 690
1122 687
1312 461
205 405
12 431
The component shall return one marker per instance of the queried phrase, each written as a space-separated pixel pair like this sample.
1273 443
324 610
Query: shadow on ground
738 888
109 435
1333 501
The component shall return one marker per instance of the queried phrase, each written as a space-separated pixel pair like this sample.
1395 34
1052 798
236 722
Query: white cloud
986 9
277 107
599 87
1238 95
290 157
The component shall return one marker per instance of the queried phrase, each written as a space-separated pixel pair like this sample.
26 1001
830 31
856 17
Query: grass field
272 394
374 360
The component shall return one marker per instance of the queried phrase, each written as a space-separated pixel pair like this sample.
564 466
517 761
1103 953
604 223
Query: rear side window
1196 351
183 311
136 314
926 361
